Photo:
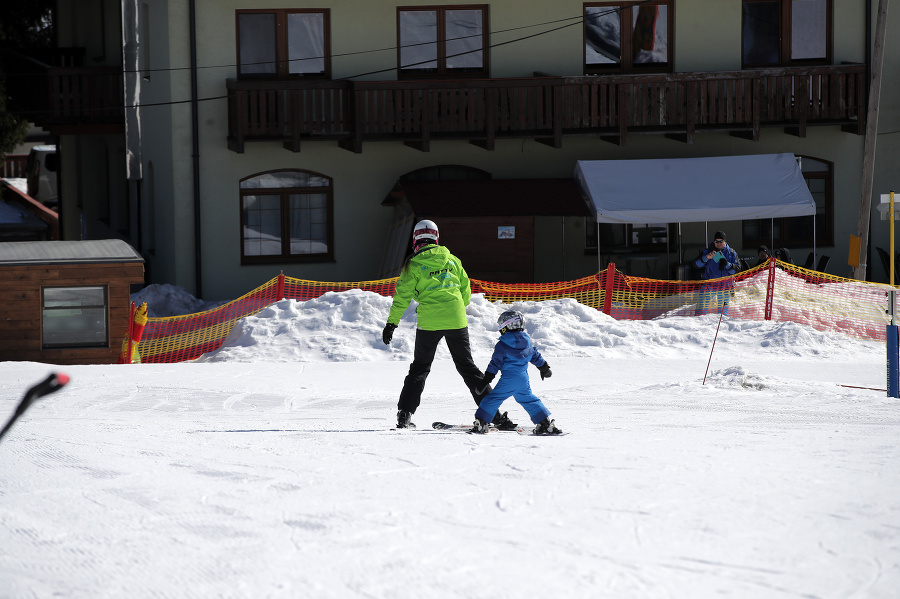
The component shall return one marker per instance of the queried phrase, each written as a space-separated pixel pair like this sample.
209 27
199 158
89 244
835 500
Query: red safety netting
187 337
777 291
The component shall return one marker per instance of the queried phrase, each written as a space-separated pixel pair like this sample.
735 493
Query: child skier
511 356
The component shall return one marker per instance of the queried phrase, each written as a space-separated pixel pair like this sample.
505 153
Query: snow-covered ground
270 468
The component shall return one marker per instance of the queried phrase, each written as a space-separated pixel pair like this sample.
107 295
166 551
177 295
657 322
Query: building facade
261 137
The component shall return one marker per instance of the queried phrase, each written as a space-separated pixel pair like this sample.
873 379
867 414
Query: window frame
785 34
285 194
442 71
626 63
282 62
70 344
823 238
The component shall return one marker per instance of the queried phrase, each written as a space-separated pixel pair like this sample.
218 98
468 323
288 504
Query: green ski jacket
436 279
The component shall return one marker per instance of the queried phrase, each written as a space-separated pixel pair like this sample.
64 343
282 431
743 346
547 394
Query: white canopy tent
677 190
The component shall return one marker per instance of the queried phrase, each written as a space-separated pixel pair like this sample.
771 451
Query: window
286 216
285 43
798 231
786 32
628 37
442 41
74 317
650 237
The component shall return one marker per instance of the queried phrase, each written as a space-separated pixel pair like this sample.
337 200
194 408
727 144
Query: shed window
74 317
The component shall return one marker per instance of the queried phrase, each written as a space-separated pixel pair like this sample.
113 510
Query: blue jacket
512 354
710 269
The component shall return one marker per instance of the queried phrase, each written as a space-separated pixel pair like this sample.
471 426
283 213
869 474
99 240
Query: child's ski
531 433
443 426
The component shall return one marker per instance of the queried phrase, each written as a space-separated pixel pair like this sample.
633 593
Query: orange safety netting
776 291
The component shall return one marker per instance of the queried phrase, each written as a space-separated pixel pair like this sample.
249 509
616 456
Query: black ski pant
423 356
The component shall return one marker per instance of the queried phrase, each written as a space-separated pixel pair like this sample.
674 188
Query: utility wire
312 83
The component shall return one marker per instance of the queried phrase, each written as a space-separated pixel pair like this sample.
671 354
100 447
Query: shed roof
62 252
686 190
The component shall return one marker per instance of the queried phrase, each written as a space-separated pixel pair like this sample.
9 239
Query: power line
375 51
312 83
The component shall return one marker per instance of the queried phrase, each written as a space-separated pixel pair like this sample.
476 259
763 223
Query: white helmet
511 320
425 230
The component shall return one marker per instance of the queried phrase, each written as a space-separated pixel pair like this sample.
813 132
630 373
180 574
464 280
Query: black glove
387 333
484 387
487 378
723 264
545 371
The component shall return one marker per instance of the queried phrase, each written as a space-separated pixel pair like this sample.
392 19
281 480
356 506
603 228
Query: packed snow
270 468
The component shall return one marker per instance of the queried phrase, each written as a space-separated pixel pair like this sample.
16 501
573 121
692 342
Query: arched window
798 231
286 216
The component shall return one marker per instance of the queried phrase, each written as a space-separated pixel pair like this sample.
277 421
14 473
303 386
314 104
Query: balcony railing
62 96
545 108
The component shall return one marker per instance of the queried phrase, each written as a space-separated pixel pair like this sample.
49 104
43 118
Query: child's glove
485 383
388 333
545 371
487 378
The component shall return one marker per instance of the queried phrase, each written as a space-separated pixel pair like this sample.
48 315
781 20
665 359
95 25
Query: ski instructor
436 279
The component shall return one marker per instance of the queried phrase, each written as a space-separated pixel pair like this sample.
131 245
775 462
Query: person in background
436 279
717 263
784 255
512 354
762 253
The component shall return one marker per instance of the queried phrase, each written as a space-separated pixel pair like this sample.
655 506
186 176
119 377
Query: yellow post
892 237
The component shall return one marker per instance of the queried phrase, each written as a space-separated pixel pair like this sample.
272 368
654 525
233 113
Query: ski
531 433
443 426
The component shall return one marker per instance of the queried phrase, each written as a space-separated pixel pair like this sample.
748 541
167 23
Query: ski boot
547 427
403 420
503 423
480 426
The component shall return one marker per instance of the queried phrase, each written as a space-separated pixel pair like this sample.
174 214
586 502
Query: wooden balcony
546 109
54 91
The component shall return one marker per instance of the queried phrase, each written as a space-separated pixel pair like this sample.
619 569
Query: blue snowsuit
511 356
713 296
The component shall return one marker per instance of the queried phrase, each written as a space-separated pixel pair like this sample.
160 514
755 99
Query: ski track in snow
282 477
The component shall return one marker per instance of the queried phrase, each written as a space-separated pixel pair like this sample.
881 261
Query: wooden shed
66 302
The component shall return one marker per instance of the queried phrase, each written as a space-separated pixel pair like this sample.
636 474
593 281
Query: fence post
770 289
127 343
608 284
279 290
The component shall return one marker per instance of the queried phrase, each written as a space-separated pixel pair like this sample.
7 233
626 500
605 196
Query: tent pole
599 267
814 241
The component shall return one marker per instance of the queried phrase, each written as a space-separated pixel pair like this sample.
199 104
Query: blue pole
893 362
